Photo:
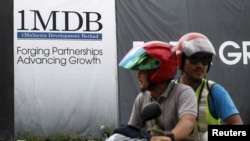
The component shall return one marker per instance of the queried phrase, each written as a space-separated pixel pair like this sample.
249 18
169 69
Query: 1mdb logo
60 21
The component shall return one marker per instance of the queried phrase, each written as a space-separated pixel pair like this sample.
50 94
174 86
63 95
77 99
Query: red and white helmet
192 43
153 55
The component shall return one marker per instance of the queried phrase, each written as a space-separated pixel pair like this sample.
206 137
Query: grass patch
60 136
27 136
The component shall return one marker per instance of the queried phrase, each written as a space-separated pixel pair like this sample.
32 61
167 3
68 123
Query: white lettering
246 54
235 55
227 57
216 132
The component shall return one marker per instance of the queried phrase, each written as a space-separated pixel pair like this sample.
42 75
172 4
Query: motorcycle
134 133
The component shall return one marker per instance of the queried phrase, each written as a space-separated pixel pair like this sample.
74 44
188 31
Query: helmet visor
138 59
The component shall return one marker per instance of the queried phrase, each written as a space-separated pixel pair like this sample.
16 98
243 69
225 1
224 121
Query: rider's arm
234 120
184 127
187 111
223 105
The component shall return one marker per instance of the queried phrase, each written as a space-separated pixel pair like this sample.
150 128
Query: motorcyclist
195 55
156 63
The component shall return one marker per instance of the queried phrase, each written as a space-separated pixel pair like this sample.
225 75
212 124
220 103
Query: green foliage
61 136
110 128
27 136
